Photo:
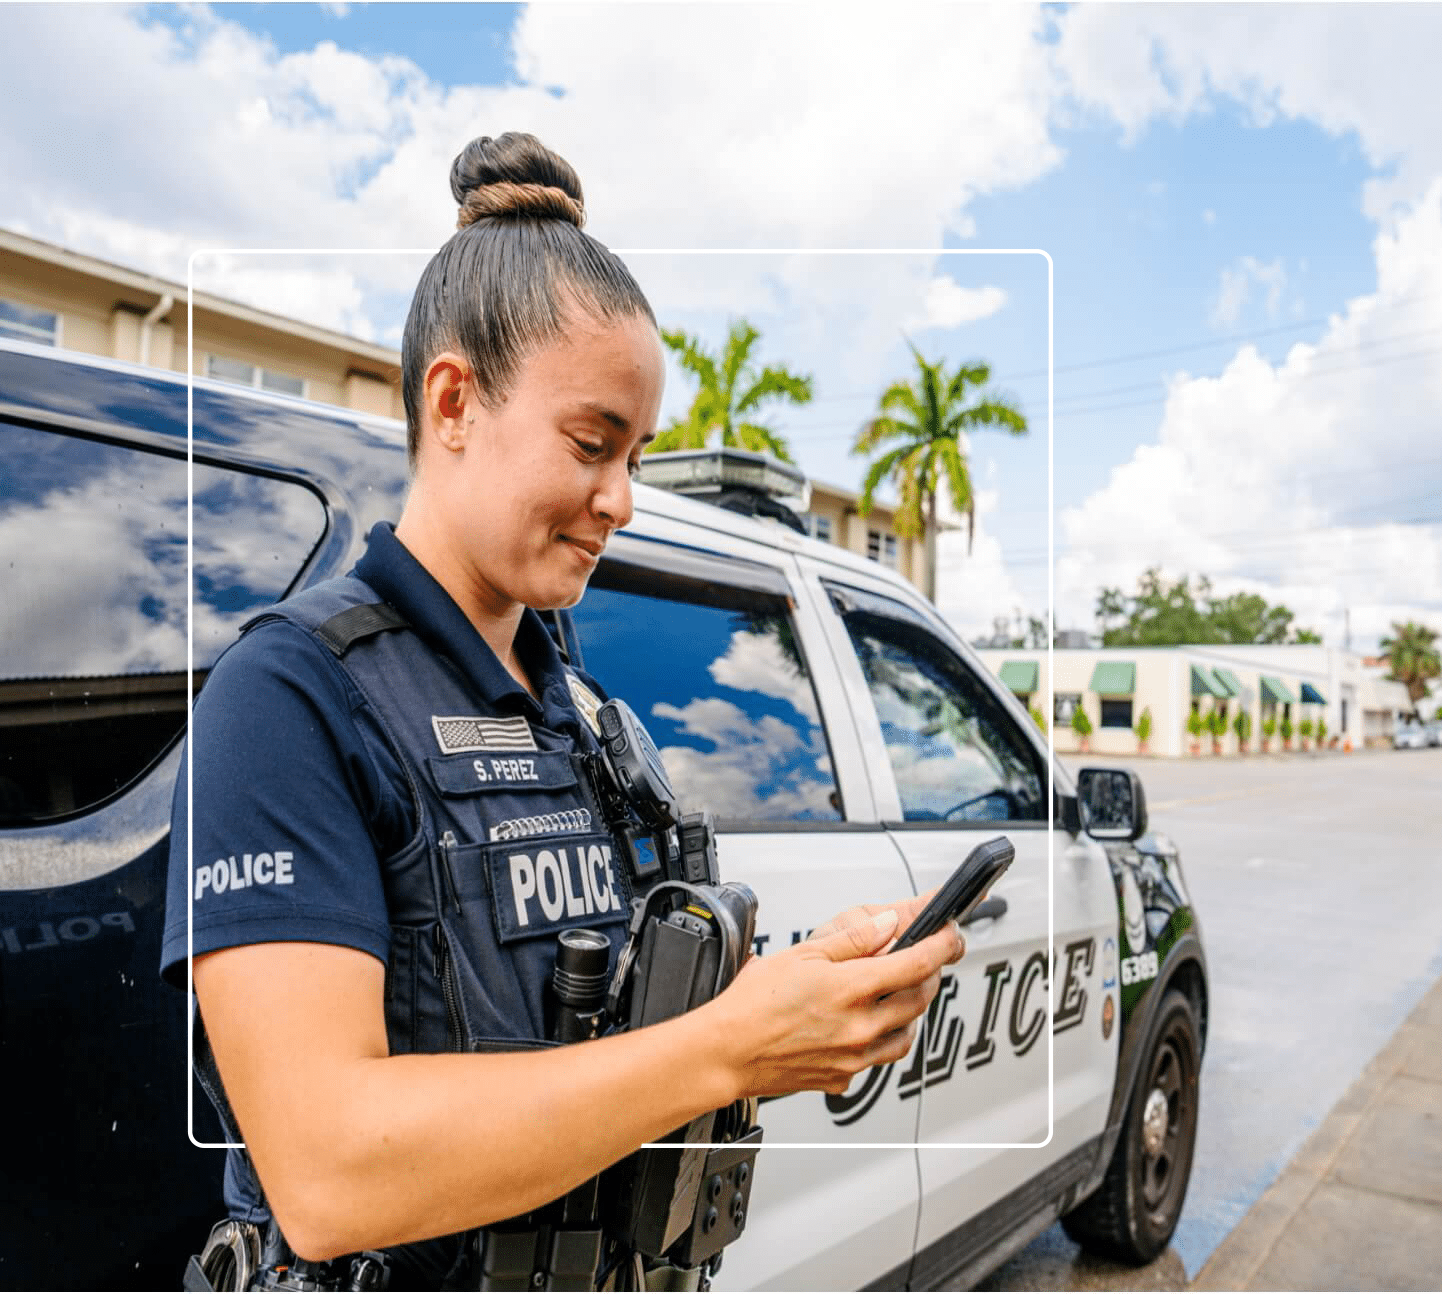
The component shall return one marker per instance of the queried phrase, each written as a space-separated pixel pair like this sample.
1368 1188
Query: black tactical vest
511 846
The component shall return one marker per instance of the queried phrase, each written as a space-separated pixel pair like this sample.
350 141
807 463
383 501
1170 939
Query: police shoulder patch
457 734
587 702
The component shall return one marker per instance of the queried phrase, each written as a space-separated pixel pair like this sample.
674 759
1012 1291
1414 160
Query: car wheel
1132 1214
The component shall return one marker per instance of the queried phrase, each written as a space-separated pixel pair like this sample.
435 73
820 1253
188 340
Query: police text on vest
569 882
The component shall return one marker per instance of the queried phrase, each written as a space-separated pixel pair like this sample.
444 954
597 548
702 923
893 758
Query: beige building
833 516
1113 686
56 297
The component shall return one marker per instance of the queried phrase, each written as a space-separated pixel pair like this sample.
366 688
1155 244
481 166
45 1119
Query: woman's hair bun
515 175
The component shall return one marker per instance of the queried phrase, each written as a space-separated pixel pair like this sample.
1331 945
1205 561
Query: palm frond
775 382
879 470
977 373
736 352
763 440
959 480
996 411
878 430
692 357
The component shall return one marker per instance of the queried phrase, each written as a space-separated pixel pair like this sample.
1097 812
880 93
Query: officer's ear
449 401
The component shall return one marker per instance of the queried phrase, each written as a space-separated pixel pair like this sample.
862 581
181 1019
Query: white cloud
1209 217
1296 479
1347 68
947 304
972 589
1236 289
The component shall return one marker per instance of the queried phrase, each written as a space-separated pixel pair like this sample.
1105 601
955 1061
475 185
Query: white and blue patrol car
851 746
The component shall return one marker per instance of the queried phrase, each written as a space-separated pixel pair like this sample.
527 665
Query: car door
957 761
102 1189
730 672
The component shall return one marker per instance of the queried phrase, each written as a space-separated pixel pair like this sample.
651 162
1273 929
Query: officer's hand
813 1015
907 910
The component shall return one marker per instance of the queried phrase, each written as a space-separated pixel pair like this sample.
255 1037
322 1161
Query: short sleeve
286 795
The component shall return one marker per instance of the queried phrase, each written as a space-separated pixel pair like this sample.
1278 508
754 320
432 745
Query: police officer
391 823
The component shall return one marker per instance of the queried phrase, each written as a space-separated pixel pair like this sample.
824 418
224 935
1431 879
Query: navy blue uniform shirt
295 800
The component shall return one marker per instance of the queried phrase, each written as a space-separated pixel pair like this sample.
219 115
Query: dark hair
496 290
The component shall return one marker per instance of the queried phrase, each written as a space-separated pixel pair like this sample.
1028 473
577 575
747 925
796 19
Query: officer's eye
592 449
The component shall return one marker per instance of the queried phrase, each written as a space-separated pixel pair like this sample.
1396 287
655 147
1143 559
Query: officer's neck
494 616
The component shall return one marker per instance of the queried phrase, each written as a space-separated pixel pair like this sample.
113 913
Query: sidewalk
1360 1206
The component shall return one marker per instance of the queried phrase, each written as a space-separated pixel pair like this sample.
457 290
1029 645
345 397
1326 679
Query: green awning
1204 682
1273 689
1228 680
1020 676
1310 695
1114 678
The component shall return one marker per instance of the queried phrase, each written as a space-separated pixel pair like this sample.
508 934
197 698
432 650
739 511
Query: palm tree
928 416
1412 657
730 393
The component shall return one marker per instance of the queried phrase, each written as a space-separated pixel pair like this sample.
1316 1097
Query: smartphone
963 890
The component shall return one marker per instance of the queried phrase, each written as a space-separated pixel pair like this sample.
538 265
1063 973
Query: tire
1132 1214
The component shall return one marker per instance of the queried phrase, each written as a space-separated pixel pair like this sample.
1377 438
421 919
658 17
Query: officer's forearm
419 1146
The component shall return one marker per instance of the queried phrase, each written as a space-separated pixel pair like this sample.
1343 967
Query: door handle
985 910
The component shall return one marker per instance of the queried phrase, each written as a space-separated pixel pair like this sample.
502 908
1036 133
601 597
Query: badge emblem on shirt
457 734
587 702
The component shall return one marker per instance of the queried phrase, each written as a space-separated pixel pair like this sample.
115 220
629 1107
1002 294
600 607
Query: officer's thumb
861 939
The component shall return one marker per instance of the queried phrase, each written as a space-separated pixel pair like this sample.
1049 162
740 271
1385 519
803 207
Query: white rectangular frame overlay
681 251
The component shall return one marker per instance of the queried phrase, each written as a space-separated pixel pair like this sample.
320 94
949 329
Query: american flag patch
459 733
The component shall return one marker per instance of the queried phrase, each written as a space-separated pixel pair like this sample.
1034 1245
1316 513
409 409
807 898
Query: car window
956 754
93 546
717 674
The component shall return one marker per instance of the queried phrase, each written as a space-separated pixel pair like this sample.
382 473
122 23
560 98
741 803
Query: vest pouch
506 904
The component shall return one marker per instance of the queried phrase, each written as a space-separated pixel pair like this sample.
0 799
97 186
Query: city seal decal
458 734
1109 1015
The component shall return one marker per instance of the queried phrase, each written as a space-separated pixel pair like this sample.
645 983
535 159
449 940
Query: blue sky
1242 205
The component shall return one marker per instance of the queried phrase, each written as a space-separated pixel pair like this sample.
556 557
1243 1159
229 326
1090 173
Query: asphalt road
1318 880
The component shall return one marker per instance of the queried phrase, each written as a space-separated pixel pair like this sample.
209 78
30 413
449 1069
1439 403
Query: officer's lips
590 547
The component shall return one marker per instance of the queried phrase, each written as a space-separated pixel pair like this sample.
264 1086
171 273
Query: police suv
850 745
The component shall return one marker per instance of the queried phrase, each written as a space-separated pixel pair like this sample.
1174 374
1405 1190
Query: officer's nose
612 500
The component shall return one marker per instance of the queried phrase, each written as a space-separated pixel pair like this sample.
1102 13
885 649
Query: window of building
873 545
818 527
888 551
26 323
235 370
956 754
1116 712
94 691
733 711
1063 706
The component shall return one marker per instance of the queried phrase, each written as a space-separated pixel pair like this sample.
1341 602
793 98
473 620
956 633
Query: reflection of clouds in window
720 722
93 538
755 662
762 766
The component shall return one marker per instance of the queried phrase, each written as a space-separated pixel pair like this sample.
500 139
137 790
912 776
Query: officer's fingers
909 966
859 940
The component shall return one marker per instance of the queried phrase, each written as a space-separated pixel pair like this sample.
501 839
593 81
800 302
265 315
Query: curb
1275 1244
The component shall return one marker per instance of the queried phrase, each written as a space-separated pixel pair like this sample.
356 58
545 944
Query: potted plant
1304 731
1285 728
1038 718
1195 724
1242 726
1082 726
1217 726
1144 729
1269 729
1322 735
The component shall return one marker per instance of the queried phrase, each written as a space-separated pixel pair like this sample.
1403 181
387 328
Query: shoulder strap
352 625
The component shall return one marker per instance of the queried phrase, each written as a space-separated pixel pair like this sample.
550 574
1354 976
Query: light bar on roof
710 471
